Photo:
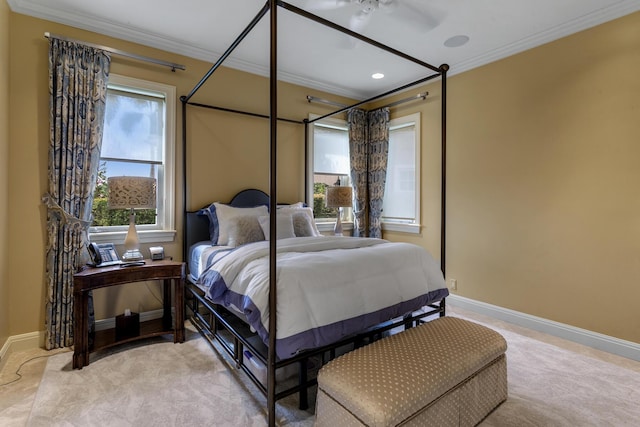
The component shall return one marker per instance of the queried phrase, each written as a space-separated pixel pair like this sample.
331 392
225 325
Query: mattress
328 287
201 255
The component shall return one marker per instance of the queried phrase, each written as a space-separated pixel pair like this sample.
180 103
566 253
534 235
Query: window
138 140
330 164
401 206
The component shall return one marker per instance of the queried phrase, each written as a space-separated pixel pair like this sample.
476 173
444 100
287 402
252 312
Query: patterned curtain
368 151
78 78
357 124
378 143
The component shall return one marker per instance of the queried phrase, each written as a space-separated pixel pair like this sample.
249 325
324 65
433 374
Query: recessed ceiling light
456 41
377 76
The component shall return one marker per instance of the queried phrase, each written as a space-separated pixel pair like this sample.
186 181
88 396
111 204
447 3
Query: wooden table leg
179 334
80 330
166 315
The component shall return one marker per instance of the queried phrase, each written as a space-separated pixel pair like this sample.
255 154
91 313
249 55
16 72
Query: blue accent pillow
214 226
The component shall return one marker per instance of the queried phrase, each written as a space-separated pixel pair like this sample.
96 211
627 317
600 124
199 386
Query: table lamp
132 192
338 197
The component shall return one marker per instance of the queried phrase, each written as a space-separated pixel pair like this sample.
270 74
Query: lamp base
132 255
131 243
337 230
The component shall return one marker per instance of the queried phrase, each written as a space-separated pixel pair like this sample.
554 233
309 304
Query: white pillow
284 226
291 209
224 214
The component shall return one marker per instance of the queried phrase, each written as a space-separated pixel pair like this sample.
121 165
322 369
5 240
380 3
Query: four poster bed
330 293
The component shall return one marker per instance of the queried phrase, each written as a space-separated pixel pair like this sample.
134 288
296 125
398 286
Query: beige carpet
162 384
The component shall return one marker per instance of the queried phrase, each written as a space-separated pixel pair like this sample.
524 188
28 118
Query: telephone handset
103 254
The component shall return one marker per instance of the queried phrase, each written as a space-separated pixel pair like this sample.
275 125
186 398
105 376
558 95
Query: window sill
403 228
117 237
330 226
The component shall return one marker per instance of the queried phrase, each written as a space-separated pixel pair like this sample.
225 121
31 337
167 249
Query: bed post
185 249
273 117
306 164
443 169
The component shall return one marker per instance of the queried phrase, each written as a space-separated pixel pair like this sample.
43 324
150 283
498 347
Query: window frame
164 231
415 226
324 225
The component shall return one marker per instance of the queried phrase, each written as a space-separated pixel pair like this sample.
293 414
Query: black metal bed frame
217 324
211 319
217 319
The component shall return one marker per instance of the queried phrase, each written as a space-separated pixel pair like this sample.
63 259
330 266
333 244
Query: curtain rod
422 96
324 101
120 52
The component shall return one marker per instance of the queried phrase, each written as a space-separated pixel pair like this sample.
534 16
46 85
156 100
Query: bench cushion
394 379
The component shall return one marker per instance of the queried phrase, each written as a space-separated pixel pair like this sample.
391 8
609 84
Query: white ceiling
319 57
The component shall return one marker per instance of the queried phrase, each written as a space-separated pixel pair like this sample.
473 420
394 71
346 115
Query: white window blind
401 205
399 193
134 127
330 150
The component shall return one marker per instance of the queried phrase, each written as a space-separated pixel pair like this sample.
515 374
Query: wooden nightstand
94 278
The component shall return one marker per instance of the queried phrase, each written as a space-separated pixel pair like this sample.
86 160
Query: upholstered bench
446 372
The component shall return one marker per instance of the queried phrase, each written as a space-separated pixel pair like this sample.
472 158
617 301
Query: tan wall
543 212
233 155
4 175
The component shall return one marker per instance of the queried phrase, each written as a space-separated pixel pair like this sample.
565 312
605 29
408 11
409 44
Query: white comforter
328 287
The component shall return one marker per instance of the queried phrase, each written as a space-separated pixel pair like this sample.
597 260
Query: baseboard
591 339
4 353
111 322
20 342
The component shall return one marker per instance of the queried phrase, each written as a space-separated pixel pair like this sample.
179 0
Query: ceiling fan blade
326 4
401 10
358 21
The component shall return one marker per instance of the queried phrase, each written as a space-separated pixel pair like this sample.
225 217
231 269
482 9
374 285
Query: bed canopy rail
358 36
246 113
272 7
420 96
229 50
382 95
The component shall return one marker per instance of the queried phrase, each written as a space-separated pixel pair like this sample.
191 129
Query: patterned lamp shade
132 192
338 197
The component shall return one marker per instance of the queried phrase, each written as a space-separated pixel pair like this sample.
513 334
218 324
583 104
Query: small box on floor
127 326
